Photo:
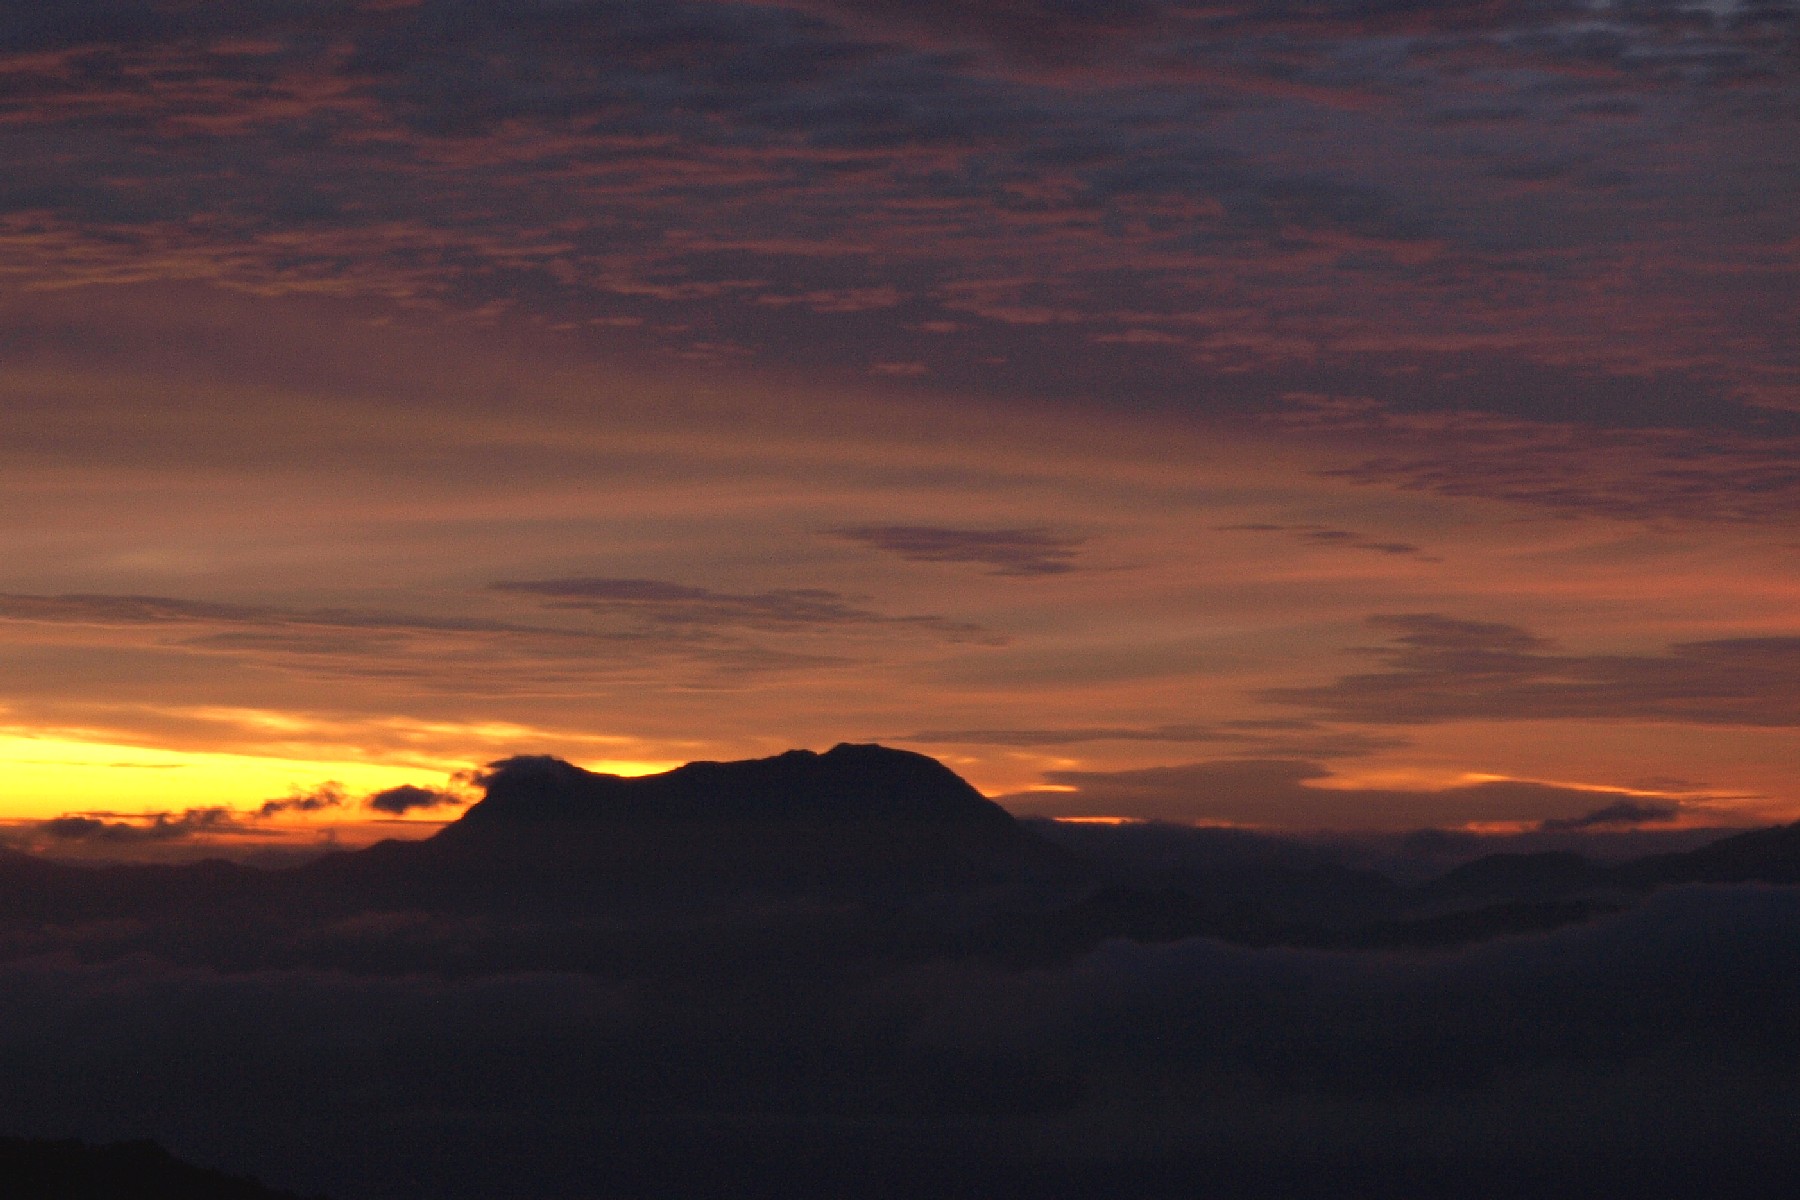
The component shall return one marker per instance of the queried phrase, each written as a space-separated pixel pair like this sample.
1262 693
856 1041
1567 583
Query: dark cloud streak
1623 814
1004 551
1298 794
659 603
1325 536
1443 669
1262 738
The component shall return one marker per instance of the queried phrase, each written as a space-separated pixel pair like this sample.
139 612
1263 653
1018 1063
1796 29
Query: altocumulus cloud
587 163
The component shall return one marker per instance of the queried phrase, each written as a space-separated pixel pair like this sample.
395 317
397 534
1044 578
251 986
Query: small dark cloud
325 796
82 829
1481 114
1004 551
406 798
1324 535
1037 24
1624 813
1067 736
162 826
1441 668
659 603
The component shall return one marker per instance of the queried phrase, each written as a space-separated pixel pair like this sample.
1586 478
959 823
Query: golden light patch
627 766
47 776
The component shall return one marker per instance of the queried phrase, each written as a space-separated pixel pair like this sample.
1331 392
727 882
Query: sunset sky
1361 414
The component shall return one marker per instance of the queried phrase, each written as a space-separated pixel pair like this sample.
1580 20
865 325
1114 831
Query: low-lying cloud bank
1657 1032
569 996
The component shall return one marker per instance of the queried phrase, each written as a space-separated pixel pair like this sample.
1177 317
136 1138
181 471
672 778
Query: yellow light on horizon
629 766
47 776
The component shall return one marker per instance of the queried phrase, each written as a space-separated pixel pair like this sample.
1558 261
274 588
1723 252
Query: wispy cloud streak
1443 669
1002 551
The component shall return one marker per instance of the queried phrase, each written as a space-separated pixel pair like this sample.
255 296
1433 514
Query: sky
1352 414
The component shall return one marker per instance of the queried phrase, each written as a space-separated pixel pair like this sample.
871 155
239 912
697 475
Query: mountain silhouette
865 826
863 822
847 785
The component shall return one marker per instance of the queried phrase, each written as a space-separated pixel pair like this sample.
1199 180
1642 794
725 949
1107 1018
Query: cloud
1625 813
123 829
113 609
1296 794
397 801
1678 446
758 175
659 603
170 826
665 628
1442 668
1005 551
1067 736
160 827
1580 995
325 796
1292 737
1326 536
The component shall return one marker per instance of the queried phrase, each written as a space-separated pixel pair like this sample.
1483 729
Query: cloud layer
1060 381
1297 794
1002 551
1445 669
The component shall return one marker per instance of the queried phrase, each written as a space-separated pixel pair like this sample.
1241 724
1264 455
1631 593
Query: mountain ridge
875 829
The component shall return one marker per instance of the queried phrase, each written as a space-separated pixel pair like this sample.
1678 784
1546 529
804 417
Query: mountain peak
848 784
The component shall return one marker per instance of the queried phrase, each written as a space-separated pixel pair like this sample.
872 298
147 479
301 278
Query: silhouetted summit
847 784
856 820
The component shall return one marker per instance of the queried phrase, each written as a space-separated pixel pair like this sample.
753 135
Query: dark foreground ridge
73 1170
